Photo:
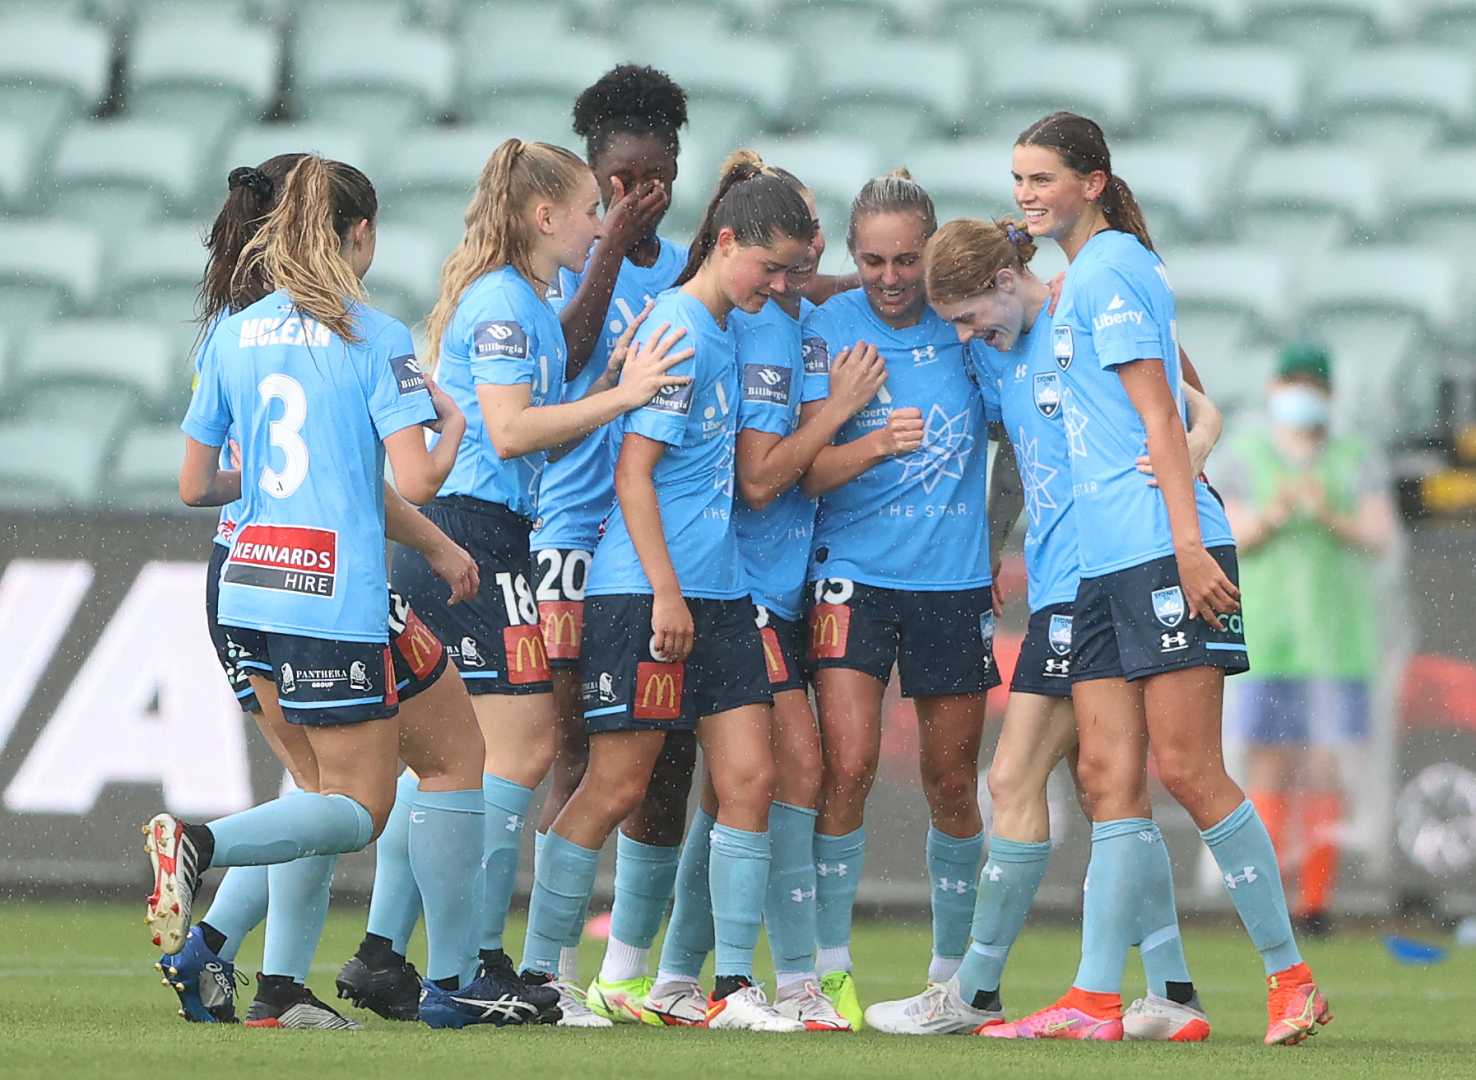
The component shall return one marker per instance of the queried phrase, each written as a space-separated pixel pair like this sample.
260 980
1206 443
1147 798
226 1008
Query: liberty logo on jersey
1048 394
658 691
288 558
1168 605
1058 634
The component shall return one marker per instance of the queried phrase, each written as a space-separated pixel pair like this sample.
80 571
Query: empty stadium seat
1226 94
52 68
202 70
891 92
358 146
1437 202
112 354
1017 86
655 22
1311 197
406 273
51 462
1324 27
327 18
502 81
735 86
1154 28
528 21
20 160
977 26
430 180
833 168
1182 187
154 274
48 269
145 471
123 173
1399 99
389 77
840 24
1450 23
965 177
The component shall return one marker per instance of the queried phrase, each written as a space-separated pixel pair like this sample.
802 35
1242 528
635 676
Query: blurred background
1307 171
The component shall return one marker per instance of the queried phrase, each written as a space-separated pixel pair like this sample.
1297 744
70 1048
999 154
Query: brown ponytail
1083 147
964 257
755 201
250 196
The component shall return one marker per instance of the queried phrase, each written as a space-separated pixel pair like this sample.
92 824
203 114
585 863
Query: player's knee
951 787
1010 785
848 772
798 779
746 787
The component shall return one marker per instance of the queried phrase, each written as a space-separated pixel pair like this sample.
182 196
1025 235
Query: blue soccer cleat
204 983
486 1000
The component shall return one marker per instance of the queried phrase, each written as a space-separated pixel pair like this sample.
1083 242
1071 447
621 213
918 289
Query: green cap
1306 359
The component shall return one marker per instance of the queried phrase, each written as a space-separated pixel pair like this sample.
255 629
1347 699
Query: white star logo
1076 422
1035 478
722 472
946 446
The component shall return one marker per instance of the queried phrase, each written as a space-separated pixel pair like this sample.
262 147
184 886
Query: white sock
833 958
622 961
669 980
569 964
943 968
791 983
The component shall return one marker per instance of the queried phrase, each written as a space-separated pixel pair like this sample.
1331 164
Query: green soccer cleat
840 988
619 1000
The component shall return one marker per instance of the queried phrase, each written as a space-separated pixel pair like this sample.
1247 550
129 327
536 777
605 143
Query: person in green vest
1312 511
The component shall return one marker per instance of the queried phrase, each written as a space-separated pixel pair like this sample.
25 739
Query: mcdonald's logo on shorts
830 625
391 694
527 659
774 657
563 628
417 646
658 691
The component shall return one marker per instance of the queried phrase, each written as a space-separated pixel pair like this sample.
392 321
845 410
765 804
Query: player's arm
202 482
610 377
1006 496
1189 372
836 466
420 472
405 524
769 465
1206 424
1206 588
823 286
635 486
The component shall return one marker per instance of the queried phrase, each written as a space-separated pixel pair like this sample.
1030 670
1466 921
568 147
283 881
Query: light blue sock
1159 944
1123 856
645 875
738 875
1007 887
789 909
506 806
561 889
445 839
1242 847
838 864
296 911
394 906
689 934
292 827
577 935
239 905
953 867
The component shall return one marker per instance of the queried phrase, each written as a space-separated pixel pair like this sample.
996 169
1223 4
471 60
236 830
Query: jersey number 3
285 434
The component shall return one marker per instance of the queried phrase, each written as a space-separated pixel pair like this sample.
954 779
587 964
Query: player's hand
621 349
671 628
856 374
1055 285
447 411
645 373
996 593
633 214
1200 444
1207 591
903 433
455 566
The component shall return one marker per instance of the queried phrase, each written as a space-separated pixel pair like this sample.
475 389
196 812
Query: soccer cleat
205 984
174 861
489 999
498 966
620 1001
812 1009
1057 1022
840 988
938 1010
575 1012
390 989
746 1009
675 1005
1157 1019
301 1010
1295 1008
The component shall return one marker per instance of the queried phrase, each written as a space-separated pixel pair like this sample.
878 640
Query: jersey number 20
285 435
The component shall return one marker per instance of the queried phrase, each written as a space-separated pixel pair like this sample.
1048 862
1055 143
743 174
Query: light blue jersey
231 513
1029 385
698 423
774 543
1117 307
577 491
502 334
913 522
311 414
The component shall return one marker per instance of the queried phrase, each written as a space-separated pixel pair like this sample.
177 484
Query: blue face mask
1299 407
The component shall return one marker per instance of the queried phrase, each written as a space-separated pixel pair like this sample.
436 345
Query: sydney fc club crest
1048 394
1059 634
1168 605
1064 346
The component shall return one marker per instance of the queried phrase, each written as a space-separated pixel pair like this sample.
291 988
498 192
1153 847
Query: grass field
78 998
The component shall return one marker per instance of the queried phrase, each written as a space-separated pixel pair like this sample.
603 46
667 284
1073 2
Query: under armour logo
514 823
1247 878
959 886
993 872
799 896
1058 667
924 355
1171 642
839 869
1020 370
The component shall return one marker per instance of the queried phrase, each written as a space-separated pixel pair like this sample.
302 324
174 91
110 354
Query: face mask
1299 407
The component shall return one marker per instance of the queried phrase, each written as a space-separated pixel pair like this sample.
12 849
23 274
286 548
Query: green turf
78 998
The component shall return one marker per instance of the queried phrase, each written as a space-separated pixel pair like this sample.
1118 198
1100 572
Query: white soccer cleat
812 1009
746 1009
675 1004
576 1014
938 1010
174 862
1157 1019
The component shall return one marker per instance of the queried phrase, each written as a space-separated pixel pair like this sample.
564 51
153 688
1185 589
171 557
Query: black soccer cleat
389 986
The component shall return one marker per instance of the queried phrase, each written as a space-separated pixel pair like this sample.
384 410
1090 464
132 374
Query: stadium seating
206 72
406 271
654 23
1155 28
145 472
736 87
153 275
504 82
108 354
1451 23
1181 186
358 146
52 69
48 270
119 174
429 182
1326 27
388 76
1226 96
1016 87
1438 202
1400 100
890 92
51 462
833 168
19 161
1311 197
965 177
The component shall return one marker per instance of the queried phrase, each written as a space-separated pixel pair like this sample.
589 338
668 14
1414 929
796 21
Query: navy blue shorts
784 650
324 682
625 687
941 642
561 574
228 655
1135 623
1044 666
494 638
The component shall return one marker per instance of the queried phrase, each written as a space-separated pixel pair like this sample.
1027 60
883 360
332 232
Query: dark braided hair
630 99
251 193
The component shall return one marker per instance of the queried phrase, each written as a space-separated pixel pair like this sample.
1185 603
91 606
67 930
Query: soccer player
978 278
774 522
501 357
314 381
670 638
1156 623
900 574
